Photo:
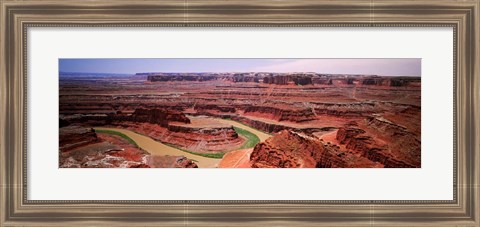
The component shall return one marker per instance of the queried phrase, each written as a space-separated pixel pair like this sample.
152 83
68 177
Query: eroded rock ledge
83 148
403 150
286 78
288 149
171 127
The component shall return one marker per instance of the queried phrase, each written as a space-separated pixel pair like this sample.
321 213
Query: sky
378 66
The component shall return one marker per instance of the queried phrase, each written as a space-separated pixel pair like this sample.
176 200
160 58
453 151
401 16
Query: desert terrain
239 120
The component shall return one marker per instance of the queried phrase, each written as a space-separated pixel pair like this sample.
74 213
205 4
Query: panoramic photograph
239 113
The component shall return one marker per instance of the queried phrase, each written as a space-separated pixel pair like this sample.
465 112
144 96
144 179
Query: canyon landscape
238 119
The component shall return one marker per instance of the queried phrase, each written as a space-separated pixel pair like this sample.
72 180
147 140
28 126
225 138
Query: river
157 148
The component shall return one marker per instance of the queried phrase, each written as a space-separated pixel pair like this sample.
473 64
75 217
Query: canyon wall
158 116
294 115
287 78
165 106
84 148
289 149
71 137
402 150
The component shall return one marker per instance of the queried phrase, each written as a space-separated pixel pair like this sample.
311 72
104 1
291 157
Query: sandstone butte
109 151
289 149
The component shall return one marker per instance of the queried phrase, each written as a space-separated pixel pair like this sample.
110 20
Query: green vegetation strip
117 134
252 139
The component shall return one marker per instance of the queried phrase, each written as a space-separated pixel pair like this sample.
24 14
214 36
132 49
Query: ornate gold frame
17 16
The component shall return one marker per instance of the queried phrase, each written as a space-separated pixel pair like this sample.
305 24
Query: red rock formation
287 78
302 80
63 123
278 80
293 150
174 128
184 77
200 140
71 137
322 80
278 114
161 116
331 101
158 116
345 109
403 144
107 151
236 159
111 151
282 79
392 81
345 135
214 107
245 78
356 139
374 81
261 125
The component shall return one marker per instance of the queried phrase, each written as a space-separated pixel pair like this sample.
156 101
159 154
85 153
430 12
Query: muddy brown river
157 148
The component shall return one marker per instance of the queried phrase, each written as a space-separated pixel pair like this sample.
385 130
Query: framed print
346 113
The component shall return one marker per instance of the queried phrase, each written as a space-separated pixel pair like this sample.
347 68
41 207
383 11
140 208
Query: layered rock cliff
71 137
109 151
287 78
294 115
170 162
158 116
402 152
181 77
288 149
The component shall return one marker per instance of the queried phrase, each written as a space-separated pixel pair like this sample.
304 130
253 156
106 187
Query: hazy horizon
368 66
